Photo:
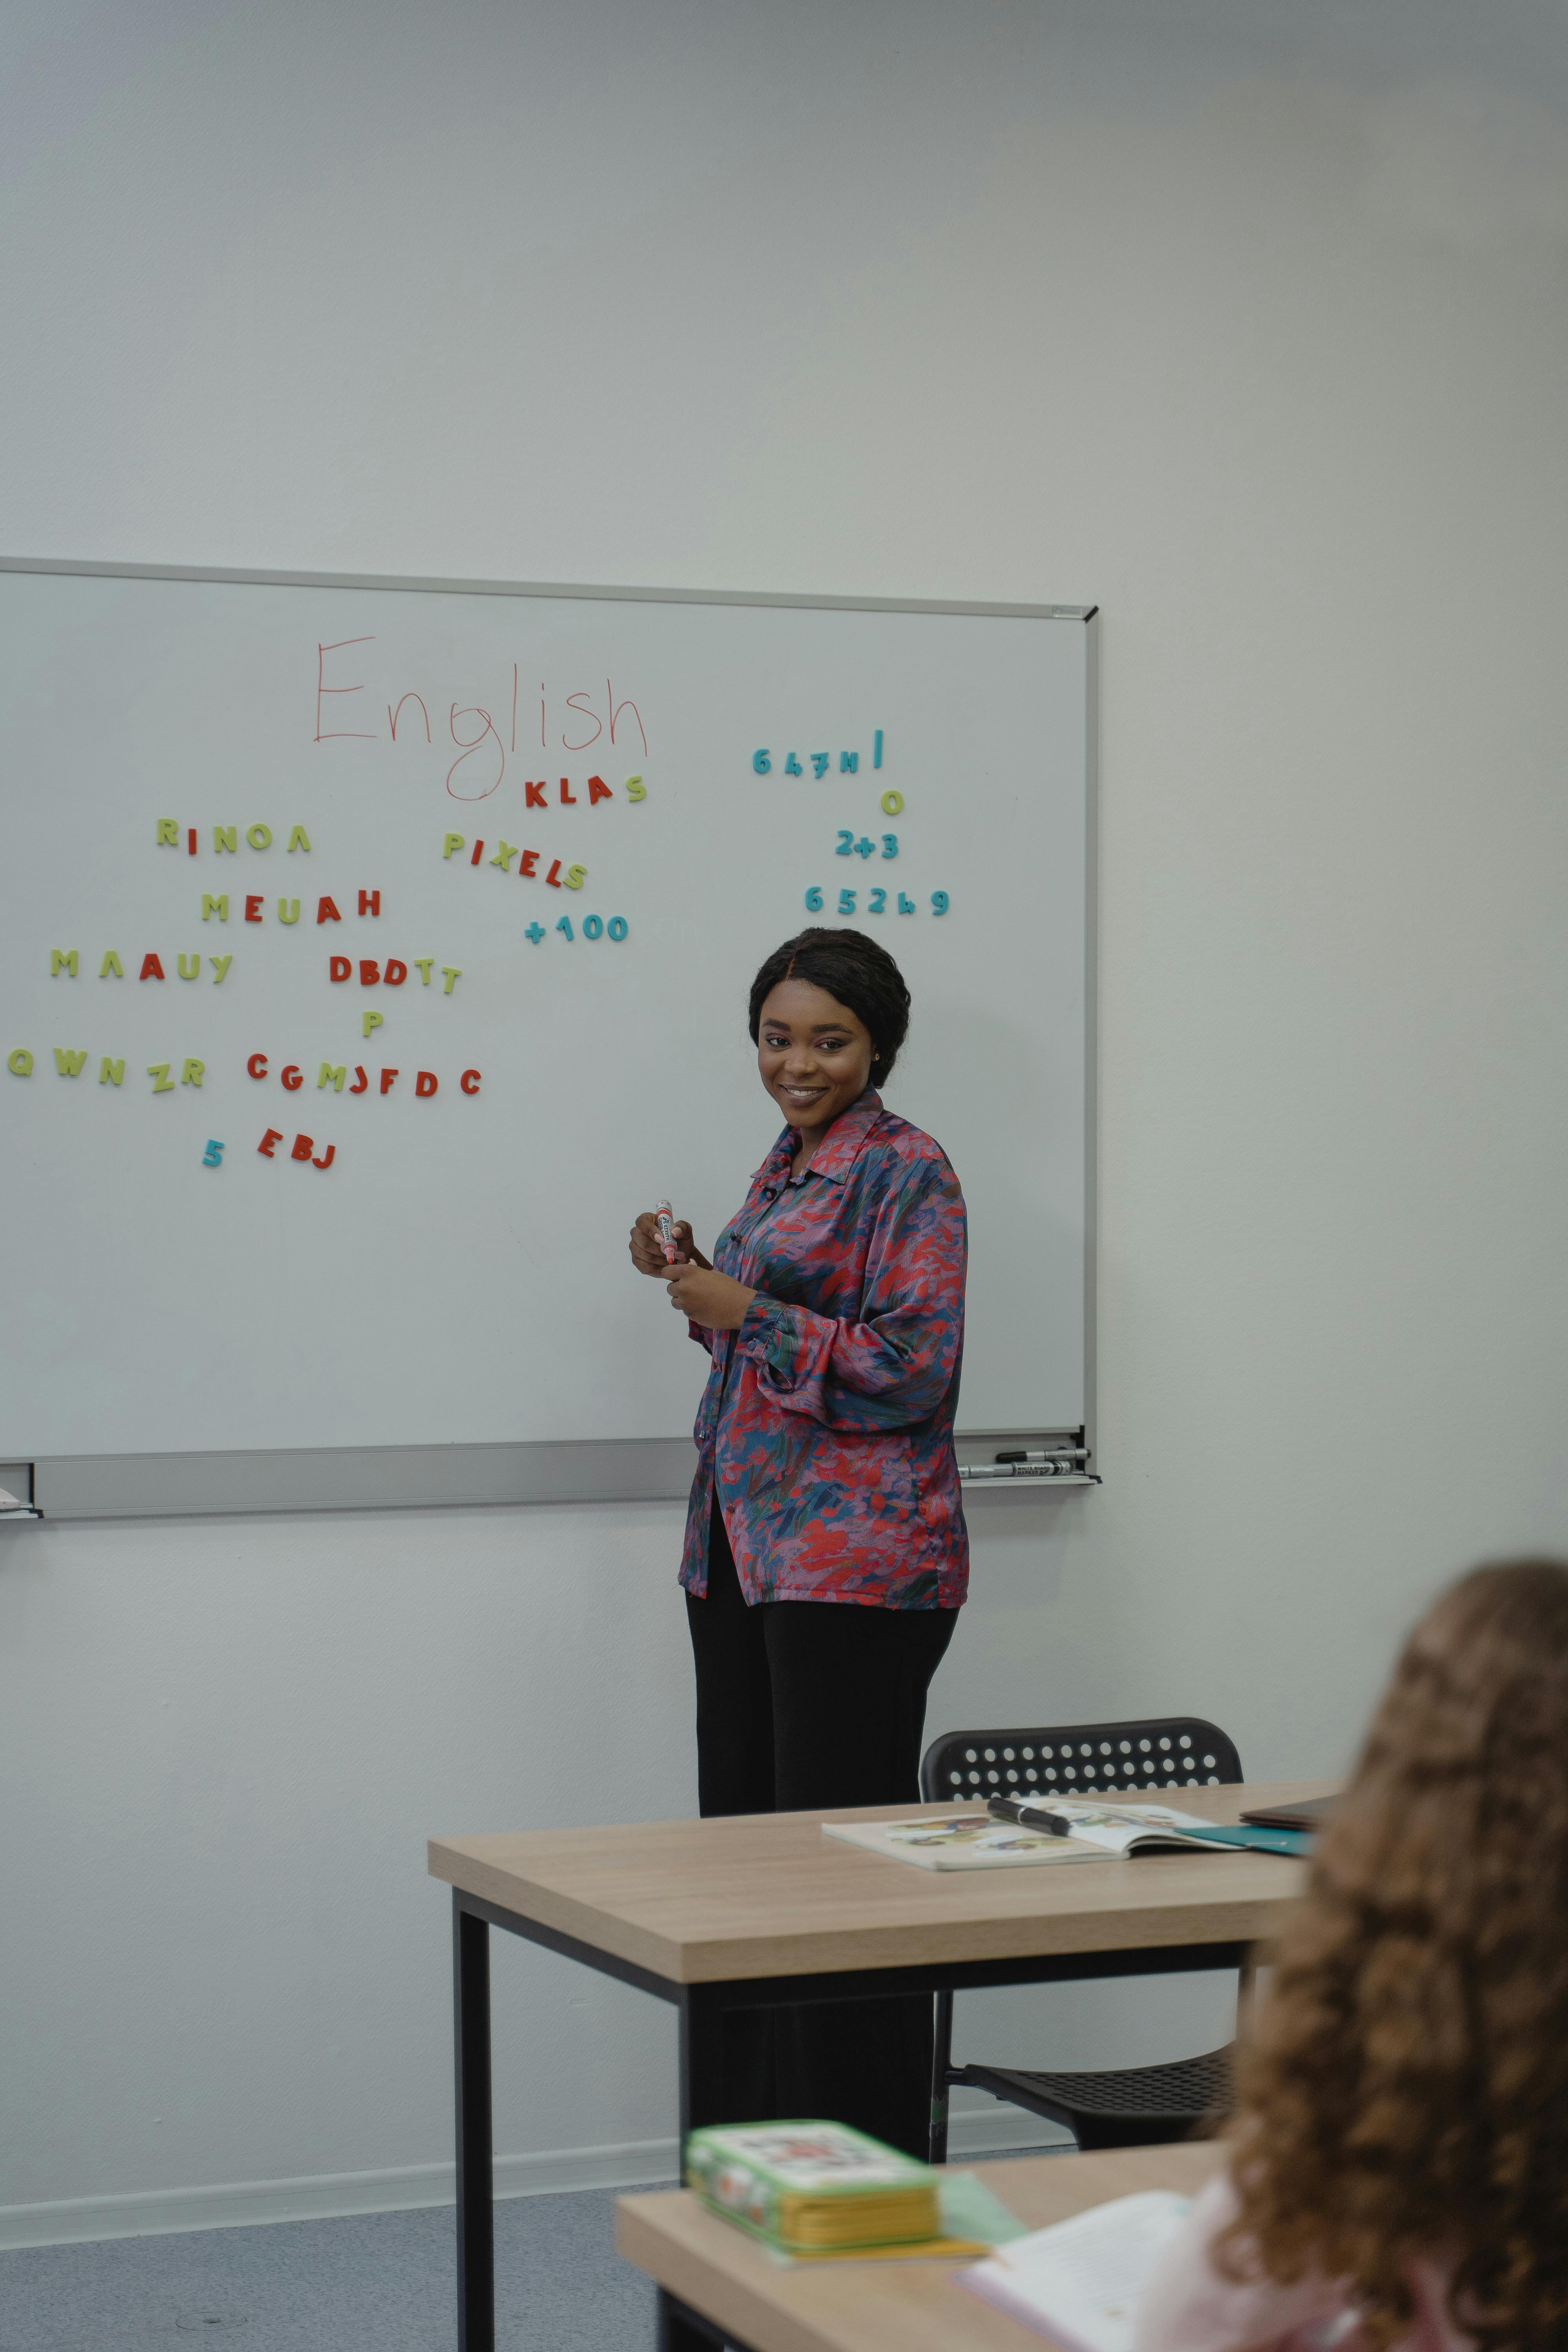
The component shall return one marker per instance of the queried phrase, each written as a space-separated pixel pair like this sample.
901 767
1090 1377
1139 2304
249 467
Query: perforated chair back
1144 1758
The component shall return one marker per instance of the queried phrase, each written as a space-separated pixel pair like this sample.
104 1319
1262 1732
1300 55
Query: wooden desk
759 1910
722 2288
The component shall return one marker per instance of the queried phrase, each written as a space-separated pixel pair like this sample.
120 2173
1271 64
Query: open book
1080 2281
1116 1827
961 1841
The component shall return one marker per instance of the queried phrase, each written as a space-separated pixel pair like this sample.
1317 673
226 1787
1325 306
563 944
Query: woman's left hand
705 1295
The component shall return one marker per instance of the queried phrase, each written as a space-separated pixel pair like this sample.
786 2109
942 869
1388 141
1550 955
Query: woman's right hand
647 1250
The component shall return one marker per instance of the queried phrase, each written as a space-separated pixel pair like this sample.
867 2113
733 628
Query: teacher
825 1556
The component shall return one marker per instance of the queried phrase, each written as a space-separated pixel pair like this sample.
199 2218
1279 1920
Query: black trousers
805 1704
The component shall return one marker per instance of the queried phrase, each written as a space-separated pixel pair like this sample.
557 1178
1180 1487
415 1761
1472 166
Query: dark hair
855 971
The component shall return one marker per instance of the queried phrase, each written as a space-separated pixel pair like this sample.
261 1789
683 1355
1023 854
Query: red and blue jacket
825 1429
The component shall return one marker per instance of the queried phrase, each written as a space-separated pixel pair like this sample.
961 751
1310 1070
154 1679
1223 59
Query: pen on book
664 1218
1030 1813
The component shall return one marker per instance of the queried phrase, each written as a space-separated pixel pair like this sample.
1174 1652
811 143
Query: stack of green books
811 2188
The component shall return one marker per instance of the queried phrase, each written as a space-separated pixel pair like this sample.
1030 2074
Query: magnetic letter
849 763
220 964
370 902
469 1082
451 974
574 878
505 853
330 1078
332 1154
111 964
568 796
268 1141
369 973
265 832
159 1073
533 796
303 1147
326 912
191 840
110 1074
598 789
361 1081
396 972
527 862
386 1078
636 789
151 968
424 1082
339 967
193 1074
195 963
256 1065
293 1077
169 832
253 910
422 966
63 960
211 907
288 910
298 838
478 853
20 1063
453 841
555 870
876 748
226 837
68 1063
372 1021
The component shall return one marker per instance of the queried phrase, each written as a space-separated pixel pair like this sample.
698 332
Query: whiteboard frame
587 1470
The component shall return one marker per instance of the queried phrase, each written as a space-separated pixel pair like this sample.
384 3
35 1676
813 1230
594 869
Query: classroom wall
1246 322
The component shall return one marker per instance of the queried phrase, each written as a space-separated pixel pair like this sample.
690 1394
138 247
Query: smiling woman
826 1557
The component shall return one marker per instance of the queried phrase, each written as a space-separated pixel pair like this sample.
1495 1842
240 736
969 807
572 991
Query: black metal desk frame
702 2008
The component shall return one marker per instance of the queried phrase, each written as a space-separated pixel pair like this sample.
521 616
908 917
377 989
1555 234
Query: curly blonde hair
1407 2091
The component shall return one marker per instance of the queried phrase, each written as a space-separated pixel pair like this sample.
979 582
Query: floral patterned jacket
826 1428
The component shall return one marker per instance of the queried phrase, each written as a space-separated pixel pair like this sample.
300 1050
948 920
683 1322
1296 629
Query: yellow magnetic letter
109 1072
191 1075
636 789
65 960
372 1021
298 838
451 977
69 1063
226 837
163 1084
505 853
265 833
211 907
288 910
168 833
330 1078
111 964
422 966
195 963
220 964
453 841
575 877
20 1063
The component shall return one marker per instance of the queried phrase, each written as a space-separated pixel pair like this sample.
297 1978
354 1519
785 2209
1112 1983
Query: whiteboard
456 1273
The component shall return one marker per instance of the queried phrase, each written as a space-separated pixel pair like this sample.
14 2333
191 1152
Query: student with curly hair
826 1558
1399 2167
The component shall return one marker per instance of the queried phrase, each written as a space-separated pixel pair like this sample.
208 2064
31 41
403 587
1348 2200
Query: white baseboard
243 2204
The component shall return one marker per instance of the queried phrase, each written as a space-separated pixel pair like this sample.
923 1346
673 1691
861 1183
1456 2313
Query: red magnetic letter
331 1154
191 838
425 1083
533 796
386 1078
469 1082
479 852
361 1081
303 1147
151 968
555 870
370 902
321 689
253 910
271 1138
251 1066
598 789
567 794
530 859
396 972
326 912
369 973
339 967
292 1077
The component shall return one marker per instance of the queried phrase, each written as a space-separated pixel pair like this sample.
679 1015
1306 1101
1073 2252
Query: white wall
1247 320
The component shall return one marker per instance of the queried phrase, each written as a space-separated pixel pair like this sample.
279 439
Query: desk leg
683 2330
701 2061
476 2151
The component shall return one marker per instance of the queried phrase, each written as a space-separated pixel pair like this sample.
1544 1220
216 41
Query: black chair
1134 2107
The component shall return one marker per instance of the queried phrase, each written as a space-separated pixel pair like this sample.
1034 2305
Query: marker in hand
664 1218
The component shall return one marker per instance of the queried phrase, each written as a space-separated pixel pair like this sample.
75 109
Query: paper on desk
1080 2281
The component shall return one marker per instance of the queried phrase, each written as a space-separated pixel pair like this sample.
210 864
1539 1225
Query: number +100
876 902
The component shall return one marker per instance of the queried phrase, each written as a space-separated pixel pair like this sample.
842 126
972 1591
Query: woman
1400 2167
826 1557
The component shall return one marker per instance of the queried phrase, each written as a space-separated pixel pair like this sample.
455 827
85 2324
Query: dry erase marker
1030 1814
664 1218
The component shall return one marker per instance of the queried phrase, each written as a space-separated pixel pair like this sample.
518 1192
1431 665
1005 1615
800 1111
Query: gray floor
376 2283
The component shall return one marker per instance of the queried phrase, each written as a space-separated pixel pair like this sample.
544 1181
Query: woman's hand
707 1297
647 1250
